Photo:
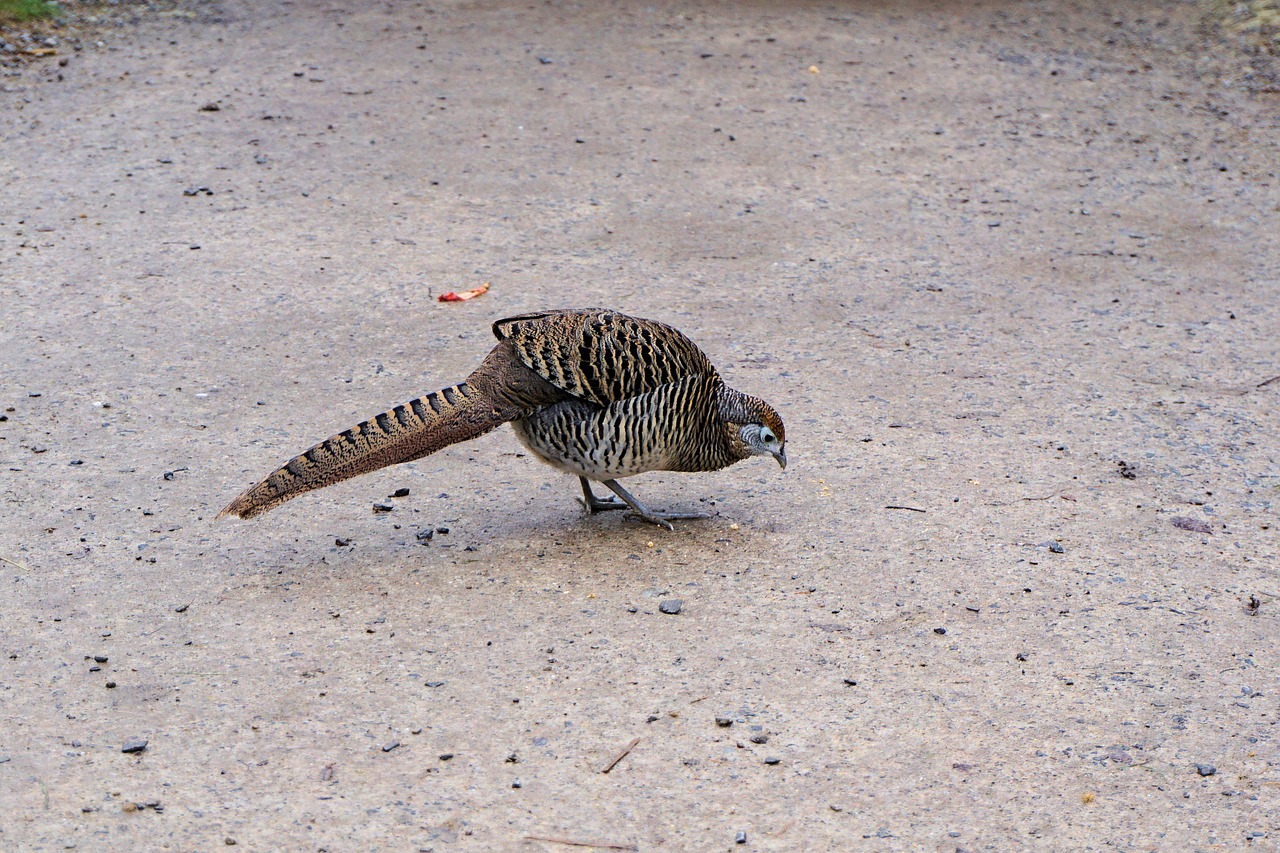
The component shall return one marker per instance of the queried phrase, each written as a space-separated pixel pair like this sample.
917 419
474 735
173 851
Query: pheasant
592 392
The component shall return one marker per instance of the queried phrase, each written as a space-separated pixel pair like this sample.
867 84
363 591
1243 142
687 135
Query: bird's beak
781 456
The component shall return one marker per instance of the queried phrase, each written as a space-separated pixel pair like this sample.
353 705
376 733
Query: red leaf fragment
464 295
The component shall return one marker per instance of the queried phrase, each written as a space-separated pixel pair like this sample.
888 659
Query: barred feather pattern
593 392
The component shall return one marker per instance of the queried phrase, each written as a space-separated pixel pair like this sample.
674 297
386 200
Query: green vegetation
16 11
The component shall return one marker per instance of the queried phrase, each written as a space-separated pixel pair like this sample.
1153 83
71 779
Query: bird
593 392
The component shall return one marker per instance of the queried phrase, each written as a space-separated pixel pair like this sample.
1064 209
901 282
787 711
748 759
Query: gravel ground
1009 272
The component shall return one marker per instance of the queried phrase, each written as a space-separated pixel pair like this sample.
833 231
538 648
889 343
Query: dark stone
435 683
136 744
741 837
424 536
759 738
402 492
445 756
724 722
671 606
772 760
111 685
1195 525
390 746
99 658
1206 769
383 508
939 630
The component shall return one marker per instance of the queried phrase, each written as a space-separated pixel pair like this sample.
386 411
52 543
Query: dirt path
1014 265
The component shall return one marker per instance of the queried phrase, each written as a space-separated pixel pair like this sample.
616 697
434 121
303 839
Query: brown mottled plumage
593 392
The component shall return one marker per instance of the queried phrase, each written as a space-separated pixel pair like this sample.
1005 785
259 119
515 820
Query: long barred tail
402 434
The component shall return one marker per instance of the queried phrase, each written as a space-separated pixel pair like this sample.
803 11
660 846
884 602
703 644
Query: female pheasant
593 392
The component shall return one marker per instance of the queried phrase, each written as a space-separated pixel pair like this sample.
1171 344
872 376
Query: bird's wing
602 356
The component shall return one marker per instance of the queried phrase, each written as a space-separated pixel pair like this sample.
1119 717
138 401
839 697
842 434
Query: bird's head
764 434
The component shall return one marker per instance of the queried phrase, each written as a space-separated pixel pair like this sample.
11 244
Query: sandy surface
978 255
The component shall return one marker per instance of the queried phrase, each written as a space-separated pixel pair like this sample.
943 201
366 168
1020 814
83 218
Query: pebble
424 536
671 606
1206 769
383 508
772 760
443 531
341 543
724 722
1056 548
111 685
517 784
390 746
759 738
137 744
445 756
1195 525
741 837
181 608
435 683
402 492
939 630
851 682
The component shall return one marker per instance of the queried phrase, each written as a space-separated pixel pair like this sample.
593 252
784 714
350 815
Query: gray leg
639 510
595 504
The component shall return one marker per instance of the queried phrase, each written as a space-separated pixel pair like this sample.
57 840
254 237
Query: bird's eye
769 437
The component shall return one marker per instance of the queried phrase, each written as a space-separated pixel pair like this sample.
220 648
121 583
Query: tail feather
407 432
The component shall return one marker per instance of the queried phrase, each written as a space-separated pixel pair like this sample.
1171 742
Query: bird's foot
595 504
664 519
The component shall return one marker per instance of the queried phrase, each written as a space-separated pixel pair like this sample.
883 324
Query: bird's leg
639 510
595 504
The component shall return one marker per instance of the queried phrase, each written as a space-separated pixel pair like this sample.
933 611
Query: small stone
760 738
446 756
181 608
851 682
402 492
741 837
137 744
383 508
671 606
1206 769
772 760
99 658
229 841
434 683
516 783
424 536
95 669
341 543
111 685
939 631
390 746
1194 525
1056 548
724 722
212 107
443 531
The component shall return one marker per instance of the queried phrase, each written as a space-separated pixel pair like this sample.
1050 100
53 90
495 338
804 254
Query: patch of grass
17 11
